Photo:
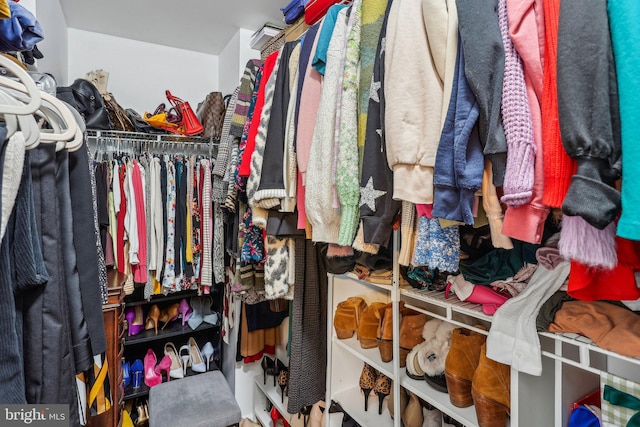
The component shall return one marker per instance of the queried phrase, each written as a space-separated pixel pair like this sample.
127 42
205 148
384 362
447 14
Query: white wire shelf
573 349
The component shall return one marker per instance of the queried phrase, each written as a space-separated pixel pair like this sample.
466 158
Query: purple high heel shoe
185 310
135 320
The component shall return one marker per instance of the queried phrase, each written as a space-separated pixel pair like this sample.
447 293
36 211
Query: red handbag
190 123
316 9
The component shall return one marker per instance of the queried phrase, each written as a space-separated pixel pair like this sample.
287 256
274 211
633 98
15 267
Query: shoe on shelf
208 315
196 316
368 325
432 356
152 318
461 363
277 416
207 352
195 360
283 377
143 414
490 389
412 415
431 417
316 418
414 371
185 310
269 368
347 317
151 378
368 379
169 314
135 320
382 389
411 324
137 373
175 370
164 366
126 374
404 399
385 332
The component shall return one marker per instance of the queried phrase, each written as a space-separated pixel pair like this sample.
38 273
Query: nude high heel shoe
152 318
169 314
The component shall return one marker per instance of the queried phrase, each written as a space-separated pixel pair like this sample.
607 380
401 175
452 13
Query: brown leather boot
385 332
461 363
347 317
411 325
491 391
368 325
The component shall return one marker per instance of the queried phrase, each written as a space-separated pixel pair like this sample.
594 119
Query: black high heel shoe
269 368
283 377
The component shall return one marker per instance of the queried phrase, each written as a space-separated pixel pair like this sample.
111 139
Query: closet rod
114 134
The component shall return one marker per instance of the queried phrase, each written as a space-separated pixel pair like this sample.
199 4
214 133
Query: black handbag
86 99
140 125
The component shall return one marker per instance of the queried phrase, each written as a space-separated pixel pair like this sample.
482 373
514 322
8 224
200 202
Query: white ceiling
199 25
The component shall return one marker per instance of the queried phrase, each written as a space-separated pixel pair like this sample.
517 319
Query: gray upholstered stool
203 400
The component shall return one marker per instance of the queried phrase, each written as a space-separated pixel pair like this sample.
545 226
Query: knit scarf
244 97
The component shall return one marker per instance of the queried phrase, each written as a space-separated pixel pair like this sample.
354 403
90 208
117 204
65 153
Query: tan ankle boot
347 317
368 325
461 363
490 389
411 325
385 332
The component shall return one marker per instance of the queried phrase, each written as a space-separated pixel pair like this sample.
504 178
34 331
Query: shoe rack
136 346
346 358
267 396
572 364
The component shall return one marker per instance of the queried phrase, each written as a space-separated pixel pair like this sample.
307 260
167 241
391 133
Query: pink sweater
526 26
309 102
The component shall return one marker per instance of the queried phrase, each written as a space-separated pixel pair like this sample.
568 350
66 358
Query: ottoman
197 401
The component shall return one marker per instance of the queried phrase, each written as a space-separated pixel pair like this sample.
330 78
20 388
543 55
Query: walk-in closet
320 213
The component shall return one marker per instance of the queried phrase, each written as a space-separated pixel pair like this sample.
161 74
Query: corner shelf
370 356
352 401
172 330
439 400
274 396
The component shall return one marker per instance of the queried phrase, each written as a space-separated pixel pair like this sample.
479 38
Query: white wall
140 72
55 44
233 59
229 68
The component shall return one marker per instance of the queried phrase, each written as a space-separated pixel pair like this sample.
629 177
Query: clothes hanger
53 104
28 86
27 123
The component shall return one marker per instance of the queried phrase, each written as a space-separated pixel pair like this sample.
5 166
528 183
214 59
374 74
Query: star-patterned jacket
377 207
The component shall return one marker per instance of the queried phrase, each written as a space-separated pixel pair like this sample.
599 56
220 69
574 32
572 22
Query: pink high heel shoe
477 294
164 366
185 310
151 377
